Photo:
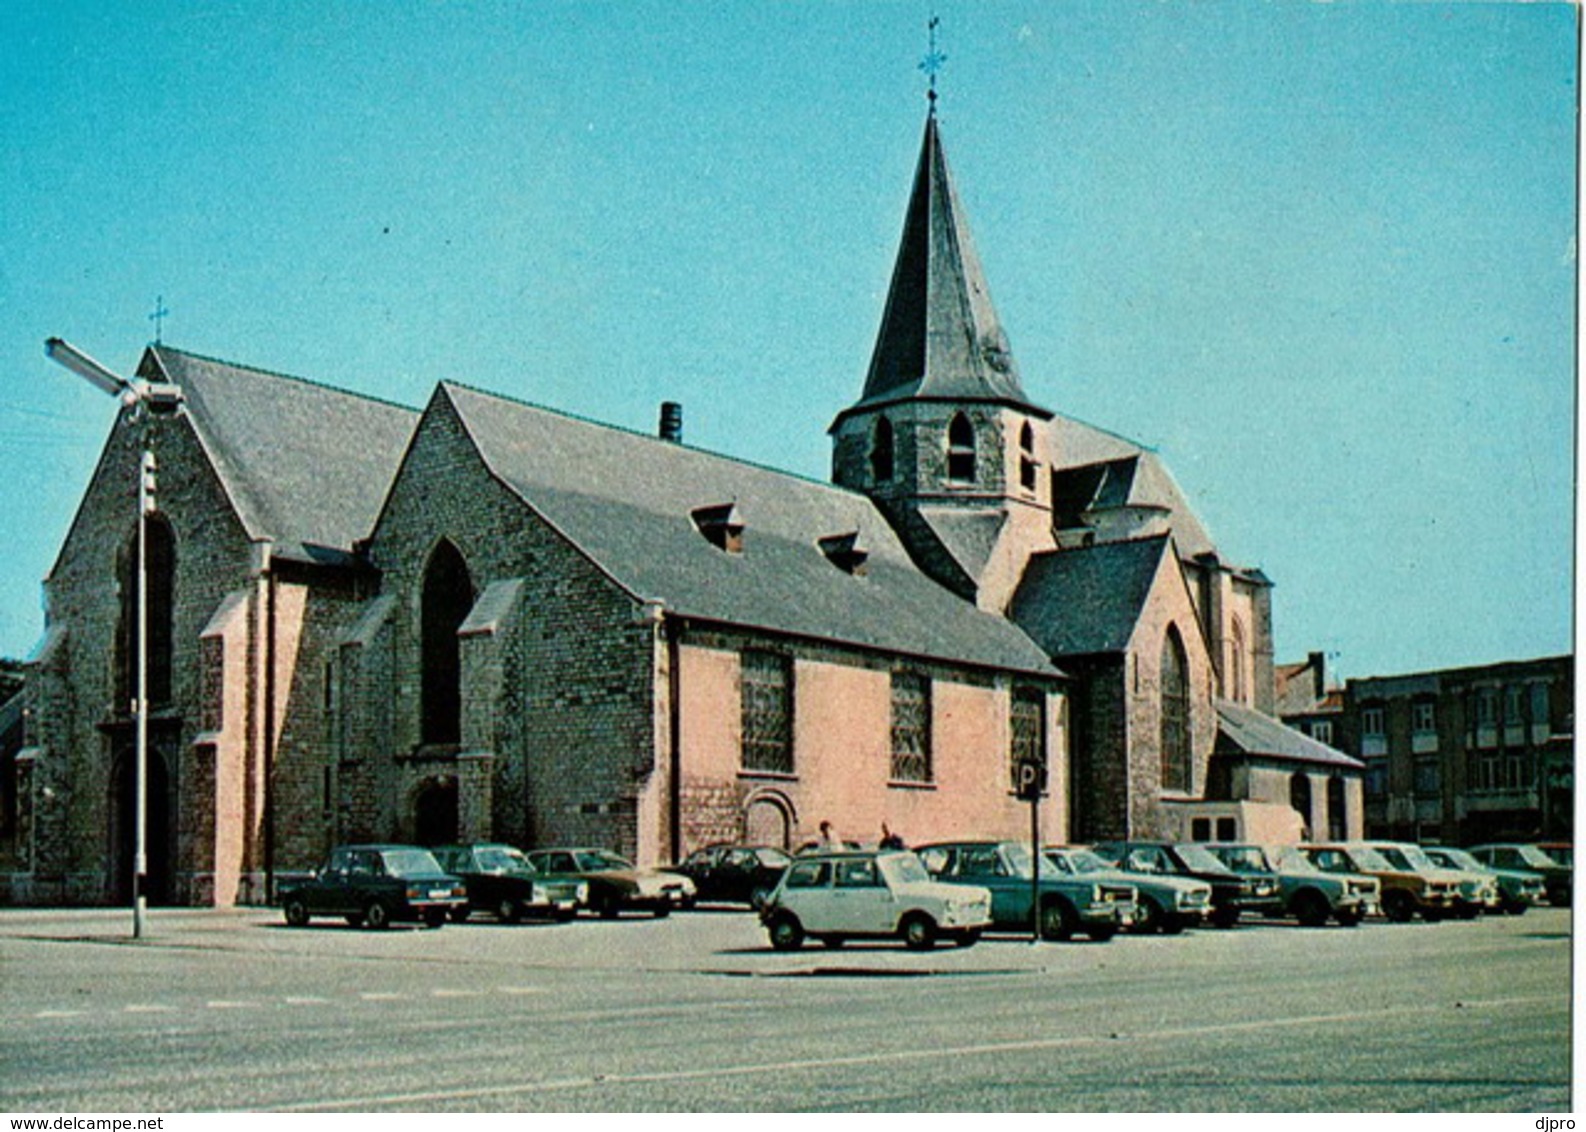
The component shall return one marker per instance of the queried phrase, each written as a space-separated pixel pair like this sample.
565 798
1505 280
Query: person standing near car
829 838
890 840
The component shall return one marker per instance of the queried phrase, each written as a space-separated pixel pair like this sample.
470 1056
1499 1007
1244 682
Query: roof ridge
314 382
1140 444
642 435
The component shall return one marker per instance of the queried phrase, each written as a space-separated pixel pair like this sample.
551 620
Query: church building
487 620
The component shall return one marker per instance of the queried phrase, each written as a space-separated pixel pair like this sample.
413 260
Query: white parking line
381 996
306 1000
60 1013
229 1004
148 1008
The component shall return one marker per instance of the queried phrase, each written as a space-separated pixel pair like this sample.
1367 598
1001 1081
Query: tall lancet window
161 586
1176 776
881 452
961 450
448 595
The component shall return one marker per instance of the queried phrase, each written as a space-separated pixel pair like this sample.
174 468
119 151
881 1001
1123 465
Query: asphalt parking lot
235 1011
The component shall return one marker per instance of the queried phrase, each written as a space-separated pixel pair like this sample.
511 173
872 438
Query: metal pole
141 708
1035 866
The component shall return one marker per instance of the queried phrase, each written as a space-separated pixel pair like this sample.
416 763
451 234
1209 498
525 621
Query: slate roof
1087 600
1098 470
626 500
305 465
940 337
1243 730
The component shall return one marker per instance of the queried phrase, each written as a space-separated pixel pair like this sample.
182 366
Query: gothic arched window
1236 662
881 454
1176 775
1027 464
448 595
160 580
961 450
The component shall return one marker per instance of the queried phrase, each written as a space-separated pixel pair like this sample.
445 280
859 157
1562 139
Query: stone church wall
576 741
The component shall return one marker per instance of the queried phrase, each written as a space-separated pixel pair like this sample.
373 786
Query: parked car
376 885
1556 875
887 894
1068 904
616 884
1478 892
1166 904
1233 894
735 874
500 880
1517 890
1405 892
1309 895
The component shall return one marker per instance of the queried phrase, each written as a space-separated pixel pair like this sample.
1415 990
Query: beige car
1406 892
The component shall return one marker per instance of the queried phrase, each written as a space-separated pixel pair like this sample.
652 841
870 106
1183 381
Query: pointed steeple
940 338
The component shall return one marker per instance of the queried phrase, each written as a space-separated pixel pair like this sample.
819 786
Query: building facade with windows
489 620
1466 755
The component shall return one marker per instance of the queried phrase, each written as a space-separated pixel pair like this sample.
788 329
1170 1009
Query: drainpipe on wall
262 555
672 628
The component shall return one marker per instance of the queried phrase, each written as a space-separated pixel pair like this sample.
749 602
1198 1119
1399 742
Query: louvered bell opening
845 552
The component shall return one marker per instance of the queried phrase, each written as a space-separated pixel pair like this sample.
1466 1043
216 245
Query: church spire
940 339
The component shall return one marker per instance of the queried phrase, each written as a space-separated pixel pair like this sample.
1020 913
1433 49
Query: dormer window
1028 468
881 461
845 552
961 450
722 526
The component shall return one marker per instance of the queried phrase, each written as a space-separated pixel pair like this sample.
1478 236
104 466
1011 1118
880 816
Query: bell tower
943 437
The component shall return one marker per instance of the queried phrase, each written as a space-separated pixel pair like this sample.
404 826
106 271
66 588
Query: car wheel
354 919
1225 917
1310 908
1433 915
833 941
509 911
435 919
1516 907
1101 933
1468 911
296 913
376 917
1148 917
1398 906
757 898
607 907
1058 921
460 913
1349 917
919 933
566 915
966 939
786 933
661 911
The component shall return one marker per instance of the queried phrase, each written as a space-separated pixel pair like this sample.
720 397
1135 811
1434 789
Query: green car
377 885
1069 904
1556 875
1517 889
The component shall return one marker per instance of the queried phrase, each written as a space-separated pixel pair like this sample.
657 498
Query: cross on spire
158 317
932 62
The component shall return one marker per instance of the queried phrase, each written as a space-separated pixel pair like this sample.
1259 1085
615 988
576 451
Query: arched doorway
123 827
435 811
768 820
1300 799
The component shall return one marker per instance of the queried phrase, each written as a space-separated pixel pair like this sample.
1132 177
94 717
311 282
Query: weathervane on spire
932 62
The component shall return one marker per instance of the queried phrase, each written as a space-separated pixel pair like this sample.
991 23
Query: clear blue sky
1321 255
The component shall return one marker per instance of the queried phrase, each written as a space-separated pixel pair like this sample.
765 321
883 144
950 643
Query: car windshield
1242 858
904 868
1084 861
1365 858
1019 861
598 860
1562 854
1408 857
1201 859
502 858
1291 860
1455 859
410 862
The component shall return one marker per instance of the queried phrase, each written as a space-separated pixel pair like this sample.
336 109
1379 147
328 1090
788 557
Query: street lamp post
142 397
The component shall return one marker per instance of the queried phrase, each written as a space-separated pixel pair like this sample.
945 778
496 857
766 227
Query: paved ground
233 1010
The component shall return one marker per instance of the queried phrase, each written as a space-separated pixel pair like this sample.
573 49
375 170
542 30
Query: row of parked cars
951 890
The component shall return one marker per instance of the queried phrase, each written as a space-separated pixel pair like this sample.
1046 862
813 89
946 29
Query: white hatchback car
834 897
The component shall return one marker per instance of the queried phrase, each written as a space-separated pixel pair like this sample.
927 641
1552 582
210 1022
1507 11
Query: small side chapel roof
627 501
305 465
1087 600
1245 731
